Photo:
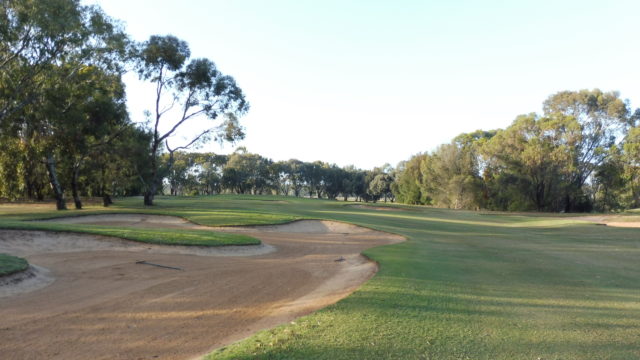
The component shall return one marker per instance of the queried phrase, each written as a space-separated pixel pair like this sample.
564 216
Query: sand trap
611 220
34 278
100 302
135 220
379 208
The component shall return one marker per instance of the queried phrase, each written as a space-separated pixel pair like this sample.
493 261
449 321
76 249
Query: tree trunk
58 191
106 199
151 186
74 187
148 198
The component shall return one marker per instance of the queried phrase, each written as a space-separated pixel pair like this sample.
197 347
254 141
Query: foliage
579 155
200 92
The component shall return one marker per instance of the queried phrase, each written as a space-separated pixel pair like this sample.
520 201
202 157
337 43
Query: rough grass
12 264
465 285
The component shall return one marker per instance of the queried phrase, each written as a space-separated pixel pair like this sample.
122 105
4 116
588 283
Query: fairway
465 285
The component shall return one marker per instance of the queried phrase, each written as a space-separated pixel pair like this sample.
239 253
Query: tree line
65 131
194 173
581 154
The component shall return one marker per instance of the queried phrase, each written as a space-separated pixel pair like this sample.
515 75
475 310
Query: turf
466 285
12 264
21 217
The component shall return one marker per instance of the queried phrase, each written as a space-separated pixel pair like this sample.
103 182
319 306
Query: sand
89 298
611 220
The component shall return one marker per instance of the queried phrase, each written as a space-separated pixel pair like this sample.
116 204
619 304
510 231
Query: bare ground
98 303
612 220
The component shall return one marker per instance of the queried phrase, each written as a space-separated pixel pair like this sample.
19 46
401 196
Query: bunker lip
30 279
102 300
610 220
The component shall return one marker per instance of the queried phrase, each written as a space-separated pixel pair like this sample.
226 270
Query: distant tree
294 173
380 186
450 177
333 180
197 88
209 172
280 170
407 184
246 173
312 176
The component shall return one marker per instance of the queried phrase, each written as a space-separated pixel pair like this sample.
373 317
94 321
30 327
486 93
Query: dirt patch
379 208
611 220
133 220
105 304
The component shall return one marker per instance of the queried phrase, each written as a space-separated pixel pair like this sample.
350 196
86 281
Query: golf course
294 180
449 284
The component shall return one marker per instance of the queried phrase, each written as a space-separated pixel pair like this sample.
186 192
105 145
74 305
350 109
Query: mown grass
25 216
465 285
12 264
472 286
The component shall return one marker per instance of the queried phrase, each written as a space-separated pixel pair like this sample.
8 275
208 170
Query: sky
369 82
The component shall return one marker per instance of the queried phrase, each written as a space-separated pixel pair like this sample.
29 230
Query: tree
198 89
609 182
530 162
36 36
601 116
96 115
295 171
450 177
44 47
631 164
407 185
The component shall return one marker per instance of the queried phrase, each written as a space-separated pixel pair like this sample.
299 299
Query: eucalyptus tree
295 171
530 163
36 36
631 161
333 183
186 91
407 184
43 48
380 186
602 117
209 172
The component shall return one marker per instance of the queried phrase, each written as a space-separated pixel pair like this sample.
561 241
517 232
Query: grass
21 217
12 264
465 285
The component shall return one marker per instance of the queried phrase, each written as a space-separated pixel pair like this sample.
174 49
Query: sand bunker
612 220
379 208
101 302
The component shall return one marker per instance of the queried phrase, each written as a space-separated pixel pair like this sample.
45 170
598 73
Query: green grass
11 264
21 217
465 285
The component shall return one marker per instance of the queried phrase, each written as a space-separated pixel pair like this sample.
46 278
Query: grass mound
12 264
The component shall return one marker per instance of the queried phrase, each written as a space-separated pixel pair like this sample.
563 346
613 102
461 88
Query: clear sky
371 82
